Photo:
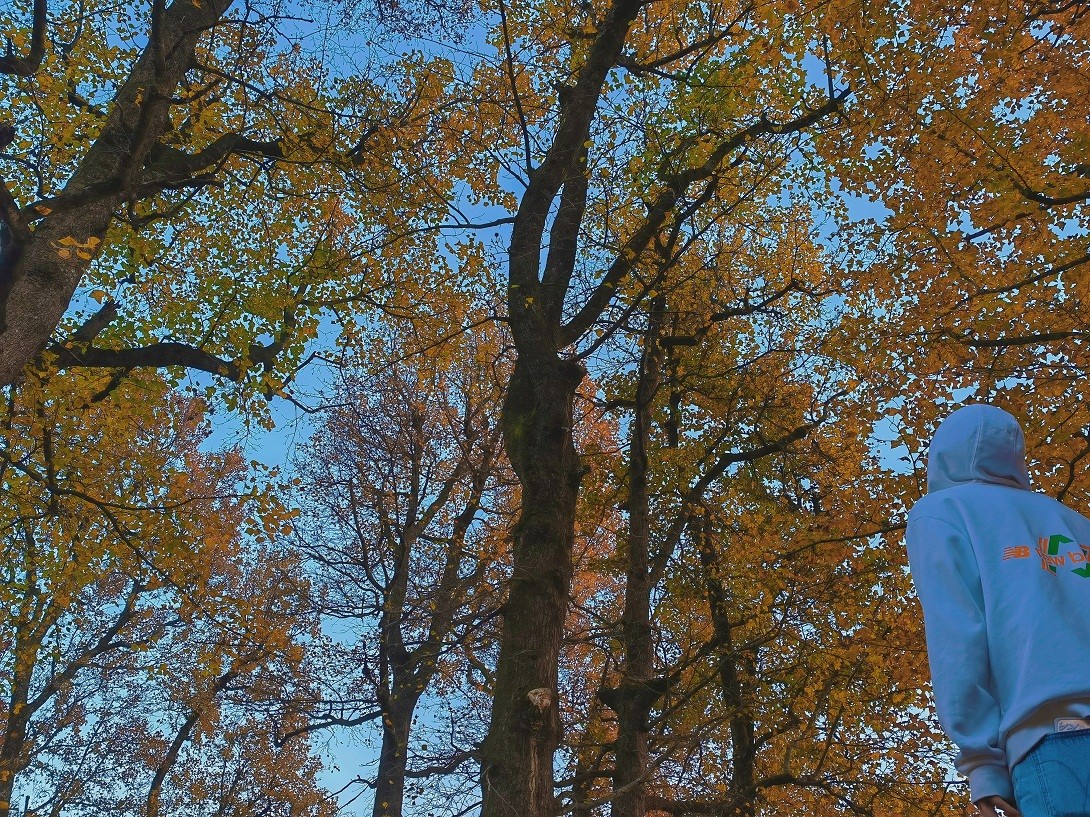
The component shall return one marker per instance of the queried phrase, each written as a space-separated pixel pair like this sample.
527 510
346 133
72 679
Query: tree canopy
620 328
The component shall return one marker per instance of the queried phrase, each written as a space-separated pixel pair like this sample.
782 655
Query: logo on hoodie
1051 557
1084 571
1049 551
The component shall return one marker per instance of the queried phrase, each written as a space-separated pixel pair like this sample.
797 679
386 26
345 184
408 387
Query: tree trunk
588 762
636 695
733 687
12 760
390 783
525 729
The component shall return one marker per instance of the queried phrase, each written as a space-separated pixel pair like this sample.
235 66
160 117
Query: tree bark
525 730
396 723
636 695
41 269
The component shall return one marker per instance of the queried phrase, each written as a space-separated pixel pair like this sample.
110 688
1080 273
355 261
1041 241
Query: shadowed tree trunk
397 720
637 693
517 756
743 788
525 730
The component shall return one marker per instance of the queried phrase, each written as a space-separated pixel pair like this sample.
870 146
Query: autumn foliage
615 333
151 624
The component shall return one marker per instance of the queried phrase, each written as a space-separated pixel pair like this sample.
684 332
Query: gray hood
977 443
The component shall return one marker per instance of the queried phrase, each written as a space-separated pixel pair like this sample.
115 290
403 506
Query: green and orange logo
1051 557
1084 571
1049 551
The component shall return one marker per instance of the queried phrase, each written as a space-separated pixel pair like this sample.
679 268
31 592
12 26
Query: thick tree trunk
390 784
525 729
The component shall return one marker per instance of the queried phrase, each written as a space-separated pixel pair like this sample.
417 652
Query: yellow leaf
99 295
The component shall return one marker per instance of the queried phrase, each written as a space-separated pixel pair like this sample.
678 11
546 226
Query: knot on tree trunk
541 698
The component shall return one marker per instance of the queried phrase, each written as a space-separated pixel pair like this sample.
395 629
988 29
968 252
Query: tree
146 139
148 625
732 665
406 500
574 126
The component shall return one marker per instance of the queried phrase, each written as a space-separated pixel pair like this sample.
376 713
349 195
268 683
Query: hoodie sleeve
944 570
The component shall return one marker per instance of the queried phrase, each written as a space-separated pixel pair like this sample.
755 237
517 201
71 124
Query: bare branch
445 768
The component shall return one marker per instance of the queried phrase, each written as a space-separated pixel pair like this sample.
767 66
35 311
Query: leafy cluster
621 328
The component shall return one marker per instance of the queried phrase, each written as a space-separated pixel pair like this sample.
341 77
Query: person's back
1003 575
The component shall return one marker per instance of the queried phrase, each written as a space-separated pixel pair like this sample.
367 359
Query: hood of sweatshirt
977 443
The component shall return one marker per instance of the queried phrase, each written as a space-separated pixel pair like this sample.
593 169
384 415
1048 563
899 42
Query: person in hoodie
1003 575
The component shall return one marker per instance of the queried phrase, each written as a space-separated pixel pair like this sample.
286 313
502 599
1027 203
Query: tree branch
664 202
1020 340
170 166
564 240
704 45
27 66
446 768
166 353
510 60
1049 201
577 110
93 326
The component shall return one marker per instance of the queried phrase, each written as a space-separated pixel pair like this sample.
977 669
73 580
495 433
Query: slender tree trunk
525 729
588 762
732 685
11 761
29 635
14 738
636 695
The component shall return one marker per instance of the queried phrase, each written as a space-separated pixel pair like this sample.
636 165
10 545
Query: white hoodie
1003 575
